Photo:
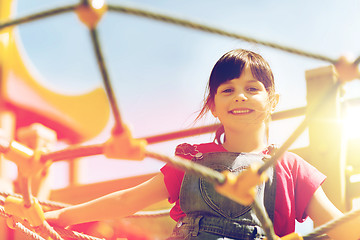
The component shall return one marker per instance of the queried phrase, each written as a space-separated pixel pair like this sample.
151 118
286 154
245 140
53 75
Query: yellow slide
75 118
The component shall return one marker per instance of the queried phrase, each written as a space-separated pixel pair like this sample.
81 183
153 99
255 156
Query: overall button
179 224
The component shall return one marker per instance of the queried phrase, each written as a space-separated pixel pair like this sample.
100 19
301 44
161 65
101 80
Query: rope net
209 174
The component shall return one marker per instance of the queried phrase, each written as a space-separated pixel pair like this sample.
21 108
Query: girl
241 94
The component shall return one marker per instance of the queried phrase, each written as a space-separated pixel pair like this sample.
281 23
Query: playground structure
29 129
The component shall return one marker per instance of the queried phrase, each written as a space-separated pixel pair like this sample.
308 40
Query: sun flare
352 122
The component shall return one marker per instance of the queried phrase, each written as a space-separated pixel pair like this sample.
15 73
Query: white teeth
240 111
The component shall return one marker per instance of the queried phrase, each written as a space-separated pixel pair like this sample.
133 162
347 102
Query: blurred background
159 70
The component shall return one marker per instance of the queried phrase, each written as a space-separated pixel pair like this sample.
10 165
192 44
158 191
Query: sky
159 71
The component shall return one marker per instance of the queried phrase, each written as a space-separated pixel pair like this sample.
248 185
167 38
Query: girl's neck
245 141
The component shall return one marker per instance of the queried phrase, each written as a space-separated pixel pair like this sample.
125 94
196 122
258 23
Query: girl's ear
212 109
214 113
275 101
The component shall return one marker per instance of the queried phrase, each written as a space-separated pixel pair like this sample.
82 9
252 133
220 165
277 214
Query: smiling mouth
241 111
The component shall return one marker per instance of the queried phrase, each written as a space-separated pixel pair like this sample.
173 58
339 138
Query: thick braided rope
56 205
209 29
45 228
58 231
190 167
332 224
28 232
51 204
20 227
3 213
73 234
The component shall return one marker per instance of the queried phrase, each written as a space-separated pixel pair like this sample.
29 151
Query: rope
312 110
27 196
46 228
213 127
56 205
104 73
181 134
51 204
19 226
28 232
73 234
49 231
209 29
264 220
173 20
37 16
357 61
216 178
3 213
190 167
332 224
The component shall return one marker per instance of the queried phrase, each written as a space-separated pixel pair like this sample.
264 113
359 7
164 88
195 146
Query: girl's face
240 101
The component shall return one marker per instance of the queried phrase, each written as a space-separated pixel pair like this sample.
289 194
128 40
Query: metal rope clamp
124 146
16 207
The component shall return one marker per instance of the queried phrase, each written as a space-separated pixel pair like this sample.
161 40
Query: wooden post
327 143
37 136
74 172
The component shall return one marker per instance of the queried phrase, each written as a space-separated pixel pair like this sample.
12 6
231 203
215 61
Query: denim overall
210 215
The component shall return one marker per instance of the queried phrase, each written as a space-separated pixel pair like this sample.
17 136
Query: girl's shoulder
293 161
186 149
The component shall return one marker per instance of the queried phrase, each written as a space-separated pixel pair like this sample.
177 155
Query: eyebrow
248 81
252 80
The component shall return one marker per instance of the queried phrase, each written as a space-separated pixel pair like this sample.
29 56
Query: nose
240 97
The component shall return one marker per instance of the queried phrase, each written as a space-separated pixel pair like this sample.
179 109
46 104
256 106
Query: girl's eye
253 89
227 90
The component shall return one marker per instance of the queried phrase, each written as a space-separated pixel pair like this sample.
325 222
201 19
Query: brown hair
231 66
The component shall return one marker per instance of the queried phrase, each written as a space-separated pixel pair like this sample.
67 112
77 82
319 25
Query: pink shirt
296 182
